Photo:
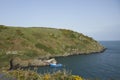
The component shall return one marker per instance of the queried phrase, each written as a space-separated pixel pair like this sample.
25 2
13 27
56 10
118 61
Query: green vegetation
45 48
33 42
32 75
43 42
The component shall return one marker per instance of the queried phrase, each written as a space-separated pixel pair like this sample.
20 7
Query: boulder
16 63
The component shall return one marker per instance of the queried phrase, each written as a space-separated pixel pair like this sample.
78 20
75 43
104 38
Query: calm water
103 66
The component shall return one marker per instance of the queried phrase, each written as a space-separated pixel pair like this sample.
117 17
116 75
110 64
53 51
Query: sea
99 66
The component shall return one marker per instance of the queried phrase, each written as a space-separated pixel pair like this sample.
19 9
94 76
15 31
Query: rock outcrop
16 63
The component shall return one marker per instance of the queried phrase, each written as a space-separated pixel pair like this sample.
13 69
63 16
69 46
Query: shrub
69 33
2 27
31 75
75 77
30 54
45 48
19 32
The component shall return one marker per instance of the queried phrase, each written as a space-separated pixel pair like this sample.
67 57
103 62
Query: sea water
101 66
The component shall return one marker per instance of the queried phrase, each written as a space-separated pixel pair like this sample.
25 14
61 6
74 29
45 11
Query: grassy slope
32 42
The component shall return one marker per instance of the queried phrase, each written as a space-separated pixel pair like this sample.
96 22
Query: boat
55 65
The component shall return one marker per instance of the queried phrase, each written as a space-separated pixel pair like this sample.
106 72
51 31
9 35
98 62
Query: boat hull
55 65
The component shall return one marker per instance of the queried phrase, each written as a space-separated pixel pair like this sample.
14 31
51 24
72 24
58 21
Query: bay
101 66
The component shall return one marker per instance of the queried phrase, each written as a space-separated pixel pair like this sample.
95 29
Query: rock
16 63
37 62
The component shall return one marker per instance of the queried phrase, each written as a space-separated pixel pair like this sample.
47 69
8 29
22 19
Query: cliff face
44 42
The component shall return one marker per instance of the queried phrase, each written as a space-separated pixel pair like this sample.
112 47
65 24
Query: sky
99 19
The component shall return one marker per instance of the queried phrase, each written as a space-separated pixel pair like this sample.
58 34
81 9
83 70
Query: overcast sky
99 19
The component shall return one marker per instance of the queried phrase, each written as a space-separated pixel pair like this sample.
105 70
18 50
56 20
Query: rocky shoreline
72 54
17 63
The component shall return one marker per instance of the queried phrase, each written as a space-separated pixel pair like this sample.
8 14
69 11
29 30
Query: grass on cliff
31 75
45 41
42 42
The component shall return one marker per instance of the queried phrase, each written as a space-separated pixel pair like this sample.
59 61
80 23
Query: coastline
19 63
44 43
79 54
